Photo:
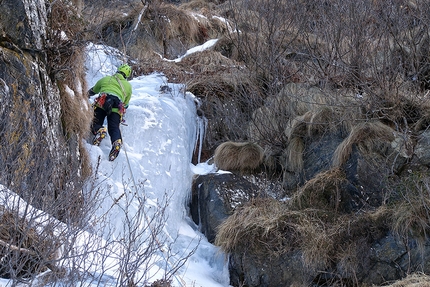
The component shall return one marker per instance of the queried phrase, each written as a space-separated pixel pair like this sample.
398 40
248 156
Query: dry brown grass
411 211
412 280
76 113
294 155
324 191
178 23
207 15
260 227
367 135
310 126
209 62
343 240
229 83
25 252
171 25
151 62
98 13
243 157
66 62
297 126
328 119
270 228
166 29
208 70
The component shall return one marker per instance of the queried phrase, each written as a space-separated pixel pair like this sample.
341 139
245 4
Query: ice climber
114 95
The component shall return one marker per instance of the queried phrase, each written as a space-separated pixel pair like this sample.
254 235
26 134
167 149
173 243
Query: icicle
202 123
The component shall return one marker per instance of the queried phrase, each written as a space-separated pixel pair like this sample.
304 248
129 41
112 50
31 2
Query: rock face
381 257
39 151
422 150
29 30
214 198
286 270
337 177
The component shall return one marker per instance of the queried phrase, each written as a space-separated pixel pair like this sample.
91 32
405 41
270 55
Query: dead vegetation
260 227
366 134
243 157
412 280
287 74
290 83
269 227
295 72
24 250
66 60
411 203
326 191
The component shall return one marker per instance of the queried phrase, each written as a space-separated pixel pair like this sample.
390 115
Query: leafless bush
144 237
347 44
263 31
29 242
36 248
24 252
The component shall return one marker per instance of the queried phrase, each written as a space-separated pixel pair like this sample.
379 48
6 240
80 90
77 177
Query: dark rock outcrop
252 270
375 256
364 182
215 197
39 151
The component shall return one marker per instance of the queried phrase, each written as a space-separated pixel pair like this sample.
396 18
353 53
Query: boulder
215 197
422 150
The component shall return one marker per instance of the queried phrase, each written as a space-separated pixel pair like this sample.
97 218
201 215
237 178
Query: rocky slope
338 104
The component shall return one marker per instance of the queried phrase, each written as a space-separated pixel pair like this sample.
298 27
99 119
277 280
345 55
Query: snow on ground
159 140
142 210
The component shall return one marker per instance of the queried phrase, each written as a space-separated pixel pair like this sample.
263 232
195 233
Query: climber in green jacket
114 96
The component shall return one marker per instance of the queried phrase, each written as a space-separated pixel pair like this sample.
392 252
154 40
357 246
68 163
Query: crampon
116 147
99 136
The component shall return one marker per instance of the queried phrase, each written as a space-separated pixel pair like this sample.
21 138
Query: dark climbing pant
113 122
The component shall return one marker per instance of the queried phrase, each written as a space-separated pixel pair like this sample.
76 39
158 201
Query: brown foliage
261 227
367 134
412 280
25 251
324 192
209 62
66 58
238 156
410 211
270 228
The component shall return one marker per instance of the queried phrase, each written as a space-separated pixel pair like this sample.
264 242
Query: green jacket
110 85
